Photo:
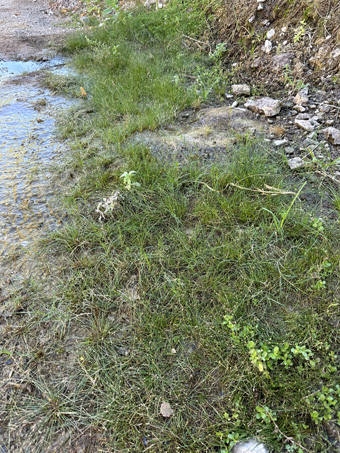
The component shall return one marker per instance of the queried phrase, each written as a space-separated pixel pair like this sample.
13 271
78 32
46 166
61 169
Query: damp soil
28 144
27 149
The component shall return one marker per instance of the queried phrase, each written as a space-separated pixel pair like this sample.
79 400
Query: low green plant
325 404
229 440
290 81
112 7
336 202
279 223
301 31
127 180
209 81
218 53
266 356
265 414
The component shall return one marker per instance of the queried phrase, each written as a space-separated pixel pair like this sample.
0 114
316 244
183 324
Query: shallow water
15 68
27 149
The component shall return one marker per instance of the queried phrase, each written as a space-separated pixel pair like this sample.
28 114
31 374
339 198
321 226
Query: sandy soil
28 28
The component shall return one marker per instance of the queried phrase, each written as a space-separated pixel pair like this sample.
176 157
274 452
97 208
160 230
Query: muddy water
28 147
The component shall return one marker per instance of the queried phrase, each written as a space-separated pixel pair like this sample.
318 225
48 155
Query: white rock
166 410
148 3
239 90
296 162
325 108
284 29
250 446
267 47
335 53
303 116
289 150
299 108
302 97
260 7
333 135
266 106
271 33
278 143
315 120
283 59
234 104
305 125
251 19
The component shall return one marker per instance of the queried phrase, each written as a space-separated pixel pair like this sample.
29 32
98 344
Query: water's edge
28 146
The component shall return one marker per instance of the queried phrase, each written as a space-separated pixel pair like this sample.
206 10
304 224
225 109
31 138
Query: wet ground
30 33
28 150
209 133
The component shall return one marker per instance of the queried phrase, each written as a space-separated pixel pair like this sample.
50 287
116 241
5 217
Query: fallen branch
271 191
198 42
3 299
328 176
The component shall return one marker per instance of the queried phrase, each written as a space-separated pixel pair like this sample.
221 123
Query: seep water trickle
28 146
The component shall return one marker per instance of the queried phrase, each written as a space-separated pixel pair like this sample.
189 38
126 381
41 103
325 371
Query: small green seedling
127 180
111 7
300 32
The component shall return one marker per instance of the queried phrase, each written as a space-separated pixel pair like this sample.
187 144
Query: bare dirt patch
27 28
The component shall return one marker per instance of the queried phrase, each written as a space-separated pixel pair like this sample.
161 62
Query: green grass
152 87
186 292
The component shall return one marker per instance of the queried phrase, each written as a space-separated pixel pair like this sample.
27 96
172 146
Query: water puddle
27 149
16 68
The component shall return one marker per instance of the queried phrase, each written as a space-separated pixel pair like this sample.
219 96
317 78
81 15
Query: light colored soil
27 29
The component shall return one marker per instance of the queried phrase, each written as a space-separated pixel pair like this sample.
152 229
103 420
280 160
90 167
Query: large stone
278 143
303 116
302 97
333 135
299 108
239 90
267 47
271 33
250 446
296 162
289 150
283 59
305 125
266 106
325 108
